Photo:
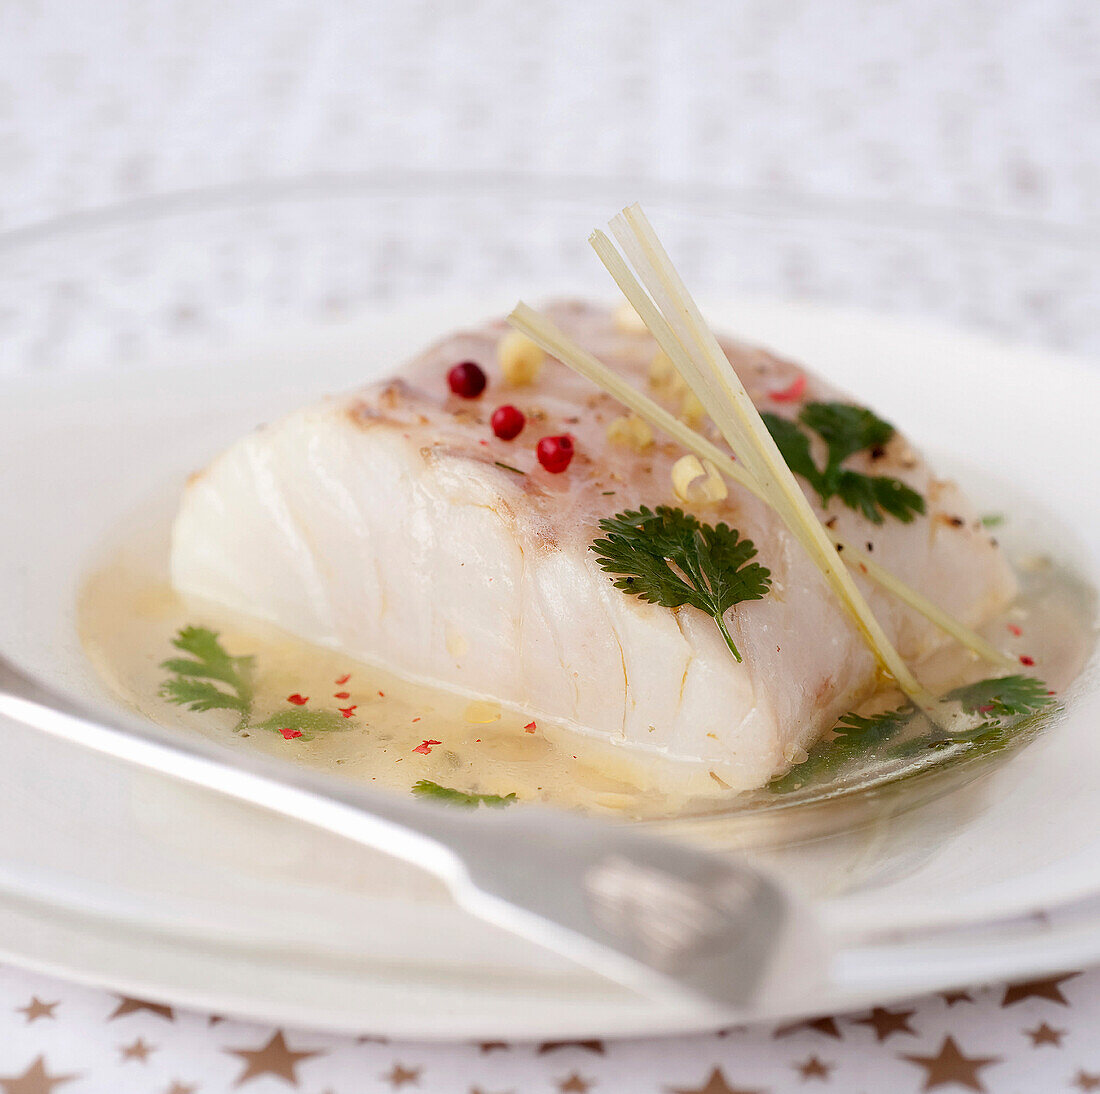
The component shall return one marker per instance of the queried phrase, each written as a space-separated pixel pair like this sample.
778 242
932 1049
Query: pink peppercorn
555 453
507 422
467 379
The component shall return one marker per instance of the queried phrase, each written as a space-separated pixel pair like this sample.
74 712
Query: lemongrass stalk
540 330
947 623
720 390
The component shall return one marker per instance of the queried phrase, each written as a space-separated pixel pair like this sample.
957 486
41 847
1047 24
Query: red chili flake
1013 629
792 392
555 453
484 442
382 695
507 422
417 718
530 727
467 379
1052 692
290 734
343 679
986 709
347 712
1025 660
341 695
425 747
298 700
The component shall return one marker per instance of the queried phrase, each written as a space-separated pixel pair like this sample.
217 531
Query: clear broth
128 615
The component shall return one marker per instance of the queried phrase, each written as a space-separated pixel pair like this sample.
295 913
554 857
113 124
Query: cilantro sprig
209 678
667 557
192 683
425 788
846 430
1001 701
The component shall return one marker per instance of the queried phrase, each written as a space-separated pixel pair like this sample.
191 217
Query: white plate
125 879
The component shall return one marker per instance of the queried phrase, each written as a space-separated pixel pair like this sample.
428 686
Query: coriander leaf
182 666
1006 697
855 736
712 563
1003 697
308 721
201 695
872 494
794 447
202 643
897 498
846 430
211 660
425 788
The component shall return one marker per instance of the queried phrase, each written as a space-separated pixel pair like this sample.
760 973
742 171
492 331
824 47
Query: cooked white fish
393 525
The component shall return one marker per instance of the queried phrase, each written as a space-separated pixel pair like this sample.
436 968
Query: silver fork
655 915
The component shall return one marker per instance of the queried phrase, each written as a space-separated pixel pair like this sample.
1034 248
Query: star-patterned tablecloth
1037 1037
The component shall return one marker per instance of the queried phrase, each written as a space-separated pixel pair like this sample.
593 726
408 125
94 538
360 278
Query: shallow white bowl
126 879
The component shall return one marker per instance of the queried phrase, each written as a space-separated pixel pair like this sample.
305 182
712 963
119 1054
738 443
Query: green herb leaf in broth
855 736
308 722
201 695
425 788
1007 702
191 682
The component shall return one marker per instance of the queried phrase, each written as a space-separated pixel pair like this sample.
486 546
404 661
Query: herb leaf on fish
668 557
846 430
425 788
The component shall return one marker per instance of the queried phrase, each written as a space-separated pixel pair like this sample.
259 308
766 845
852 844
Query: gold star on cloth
1039 989
132 1006
35 1080
574 1084
37 1009
886 1022
813 1068
826 1026
953 997
273 1058
950 1065
1044 1035
398 1075
181 1088
1084 1080
715 1084
139 1050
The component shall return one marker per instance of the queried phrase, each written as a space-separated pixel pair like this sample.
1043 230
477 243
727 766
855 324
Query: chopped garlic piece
520 359
691 410
631 431
483 711
663 375
698 483
629 321
661 369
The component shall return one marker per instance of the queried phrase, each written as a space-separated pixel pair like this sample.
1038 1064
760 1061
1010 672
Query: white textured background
963 120
990 106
